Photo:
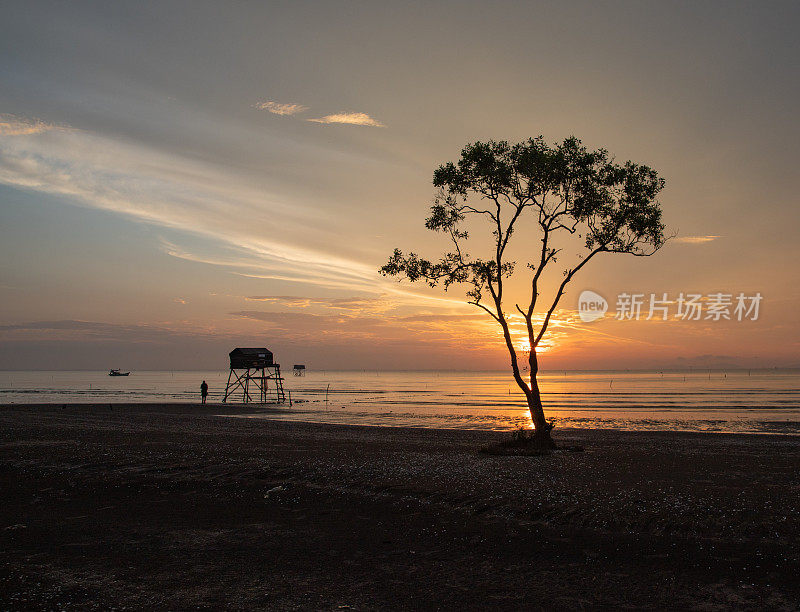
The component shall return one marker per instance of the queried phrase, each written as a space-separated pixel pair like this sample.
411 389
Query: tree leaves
567 187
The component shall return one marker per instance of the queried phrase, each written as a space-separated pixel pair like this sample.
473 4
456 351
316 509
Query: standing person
204 391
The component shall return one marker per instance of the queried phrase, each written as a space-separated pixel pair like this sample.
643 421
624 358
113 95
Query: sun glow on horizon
549 341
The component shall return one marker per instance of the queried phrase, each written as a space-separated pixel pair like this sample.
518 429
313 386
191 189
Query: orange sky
176 181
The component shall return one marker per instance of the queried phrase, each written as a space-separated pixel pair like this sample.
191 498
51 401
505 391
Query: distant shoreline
687 370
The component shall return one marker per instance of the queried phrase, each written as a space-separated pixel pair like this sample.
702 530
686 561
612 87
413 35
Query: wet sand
171 506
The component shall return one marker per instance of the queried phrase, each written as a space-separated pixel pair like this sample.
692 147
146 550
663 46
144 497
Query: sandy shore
142 506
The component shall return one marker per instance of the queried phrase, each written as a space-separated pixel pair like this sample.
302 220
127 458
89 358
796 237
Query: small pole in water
326 394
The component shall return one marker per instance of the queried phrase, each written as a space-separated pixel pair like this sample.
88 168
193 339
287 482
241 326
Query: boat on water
118 373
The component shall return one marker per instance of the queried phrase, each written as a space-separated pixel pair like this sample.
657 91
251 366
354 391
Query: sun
523 346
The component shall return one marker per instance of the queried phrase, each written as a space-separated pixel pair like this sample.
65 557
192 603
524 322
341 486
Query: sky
180 178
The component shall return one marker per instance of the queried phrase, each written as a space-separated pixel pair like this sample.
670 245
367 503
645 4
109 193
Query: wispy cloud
96 330
280 108
232 214
310 327
350 119
695 239
174 193
11 125
343 303
258 259
288 109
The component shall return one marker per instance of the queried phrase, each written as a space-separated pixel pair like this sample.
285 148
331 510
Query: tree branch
560 292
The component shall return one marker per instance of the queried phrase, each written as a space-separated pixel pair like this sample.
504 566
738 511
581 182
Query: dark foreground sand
153 507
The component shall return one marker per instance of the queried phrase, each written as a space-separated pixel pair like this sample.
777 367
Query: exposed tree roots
527 443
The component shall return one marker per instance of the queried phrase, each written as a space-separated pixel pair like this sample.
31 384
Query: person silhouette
204 391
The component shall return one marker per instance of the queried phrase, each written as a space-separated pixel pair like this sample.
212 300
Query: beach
179 506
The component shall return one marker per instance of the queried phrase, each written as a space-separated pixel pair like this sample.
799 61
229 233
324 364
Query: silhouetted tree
567 190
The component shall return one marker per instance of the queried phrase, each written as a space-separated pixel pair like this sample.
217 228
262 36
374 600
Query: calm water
759 401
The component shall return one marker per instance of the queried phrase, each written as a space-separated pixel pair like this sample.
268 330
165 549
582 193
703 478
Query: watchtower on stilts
253 371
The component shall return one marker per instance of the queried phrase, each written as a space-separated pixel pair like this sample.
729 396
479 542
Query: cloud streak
171 192
695 239
345 303
92 330
11 125
346 118
349 119
280 108
233 215
305 327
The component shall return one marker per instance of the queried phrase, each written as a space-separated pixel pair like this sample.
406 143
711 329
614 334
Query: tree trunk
541 434
541 428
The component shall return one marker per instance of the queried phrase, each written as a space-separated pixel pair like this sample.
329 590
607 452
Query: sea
746 401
